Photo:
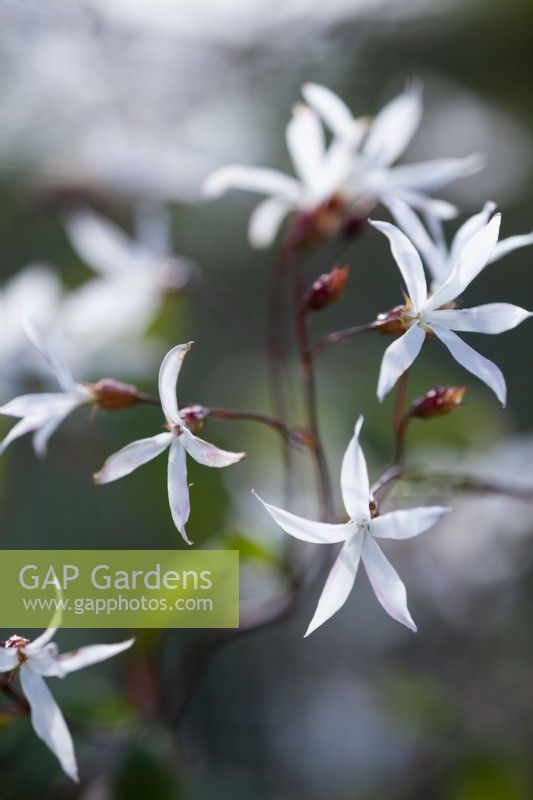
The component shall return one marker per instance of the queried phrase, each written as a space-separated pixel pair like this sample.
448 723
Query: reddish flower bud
440 400
327 289
194 417
112 395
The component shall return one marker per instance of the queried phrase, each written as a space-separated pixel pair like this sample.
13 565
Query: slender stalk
223 414
310 393
346 333
20 703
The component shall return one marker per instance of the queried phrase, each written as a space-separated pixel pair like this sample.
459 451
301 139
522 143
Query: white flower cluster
353 164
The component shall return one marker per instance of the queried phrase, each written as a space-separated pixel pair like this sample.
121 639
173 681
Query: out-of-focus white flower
321 173
359 540
374 178
425 314
431 244
38 660
43 413
132 280
178 439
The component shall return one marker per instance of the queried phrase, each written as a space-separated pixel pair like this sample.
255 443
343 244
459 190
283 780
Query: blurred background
125 107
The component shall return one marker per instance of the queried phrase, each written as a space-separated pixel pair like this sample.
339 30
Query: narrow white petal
102 245
265 222
408 260
432 206
394 127
398 357
386 583
406 523
508 245
470 227
305 529
252 179
23 426
339 582
132 456
472 258
429 176
206 453
63 664
354 478
168 378
50 349
41 641
45 431
332 109
411 225
38 404
475 363
489 318
335 170
8 659
178 489
48 721
305 142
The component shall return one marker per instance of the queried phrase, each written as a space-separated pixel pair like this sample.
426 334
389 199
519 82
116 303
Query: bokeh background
126 106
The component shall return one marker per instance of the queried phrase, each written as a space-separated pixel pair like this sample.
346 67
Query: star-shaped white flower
426 314
321 173
38 660
431 243
178 439
359 540
42 413
374 177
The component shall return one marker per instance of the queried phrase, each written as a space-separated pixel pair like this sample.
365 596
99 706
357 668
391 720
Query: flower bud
112 395
438 401
194 417
327 289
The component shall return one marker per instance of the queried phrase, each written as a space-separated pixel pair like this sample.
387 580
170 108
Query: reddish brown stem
346 333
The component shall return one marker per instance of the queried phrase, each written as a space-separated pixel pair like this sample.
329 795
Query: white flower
321 173
374 178
129 292
43 413
428 314
40 659
178 439
359 541
431 244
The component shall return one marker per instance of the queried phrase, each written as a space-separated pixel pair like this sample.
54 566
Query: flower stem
346 333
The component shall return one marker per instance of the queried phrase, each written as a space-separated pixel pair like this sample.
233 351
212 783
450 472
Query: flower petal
45 431
472 258
406 523
440 209
8 659
409 222
41 641
429 176
398 357
470 227
43 405
252 179
50 350
206 453
168 378
475 363
408 261
508 245
354 478
265 221
334 112
132 456
489 318
62 665
386 583
102 245
339 582
306 144
48 721
23 426
305 529
394 126
178 489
